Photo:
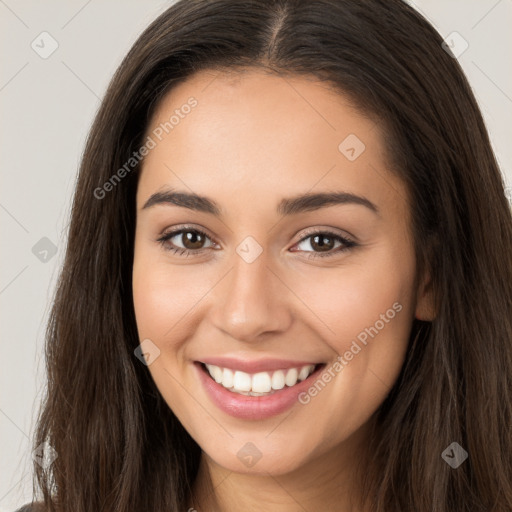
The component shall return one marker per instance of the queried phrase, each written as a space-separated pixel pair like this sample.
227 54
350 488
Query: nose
251 301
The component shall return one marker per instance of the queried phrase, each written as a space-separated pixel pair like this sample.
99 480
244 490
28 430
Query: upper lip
255 366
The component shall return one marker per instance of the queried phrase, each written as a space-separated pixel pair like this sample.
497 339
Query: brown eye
324 243
185 241
192 240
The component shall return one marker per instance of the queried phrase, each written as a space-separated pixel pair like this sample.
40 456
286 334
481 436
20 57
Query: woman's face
291 253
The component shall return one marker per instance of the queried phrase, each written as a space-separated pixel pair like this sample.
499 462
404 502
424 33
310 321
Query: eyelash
347 243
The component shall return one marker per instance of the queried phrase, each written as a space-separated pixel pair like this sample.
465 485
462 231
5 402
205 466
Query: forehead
267 134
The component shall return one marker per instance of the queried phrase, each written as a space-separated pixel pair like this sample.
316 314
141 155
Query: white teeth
258 384
216 373
261 382
291 377
278 380
242 381
227 378
304 372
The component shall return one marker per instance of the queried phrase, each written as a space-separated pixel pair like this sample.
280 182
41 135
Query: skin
252 140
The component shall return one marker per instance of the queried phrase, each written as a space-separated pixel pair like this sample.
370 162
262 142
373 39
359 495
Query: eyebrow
289 206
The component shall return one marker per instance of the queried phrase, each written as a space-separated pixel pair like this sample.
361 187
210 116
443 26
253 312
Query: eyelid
347 241
326 230
174 230
168 233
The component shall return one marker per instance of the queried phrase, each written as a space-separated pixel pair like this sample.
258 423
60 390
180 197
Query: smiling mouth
261 383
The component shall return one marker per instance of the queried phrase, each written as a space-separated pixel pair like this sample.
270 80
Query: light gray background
47 106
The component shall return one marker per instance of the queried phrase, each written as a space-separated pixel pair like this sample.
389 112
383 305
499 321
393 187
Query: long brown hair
120 448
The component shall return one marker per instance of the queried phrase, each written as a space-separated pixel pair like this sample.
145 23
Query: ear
425 300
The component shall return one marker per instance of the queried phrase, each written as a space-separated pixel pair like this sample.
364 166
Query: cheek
369 312
356 296
163 294
368 309
165 299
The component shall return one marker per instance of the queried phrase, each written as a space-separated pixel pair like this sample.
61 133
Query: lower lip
253 407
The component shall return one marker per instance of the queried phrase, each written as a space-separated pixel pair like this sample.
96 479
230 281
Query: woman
288 279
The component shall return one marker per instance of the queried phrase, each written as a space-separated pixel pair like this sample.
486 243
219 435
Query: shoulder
32 507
